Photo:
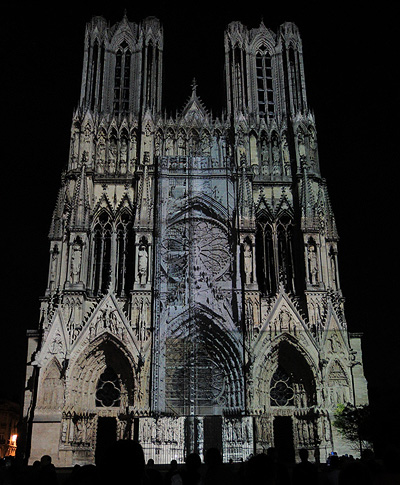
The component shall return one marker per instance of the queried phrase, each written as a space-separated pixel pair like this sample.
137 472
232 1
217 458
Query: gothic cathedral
193 295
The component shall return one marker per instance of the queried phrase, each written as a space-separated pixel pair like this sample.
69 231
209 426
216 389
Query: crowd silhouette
125 464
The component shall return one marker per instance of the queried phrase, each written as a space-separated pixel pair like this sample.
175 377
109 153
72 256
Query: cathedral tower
193 297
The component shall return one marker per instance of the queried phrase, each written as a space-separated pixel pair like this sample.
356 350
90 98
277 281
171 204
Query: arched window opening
295 79
94 73
237 62
274 254
293 383
149 74
102 53
265 92
265 258
285 252
122 75
124 271
102 254
108 390
333 269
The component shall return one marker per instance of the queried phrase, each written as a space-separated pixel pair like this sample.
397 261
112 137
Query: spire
194 88
194 107
56 226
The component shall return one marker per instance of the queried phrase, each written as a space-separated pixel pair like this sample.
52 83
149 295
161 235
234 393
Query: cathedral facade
193 295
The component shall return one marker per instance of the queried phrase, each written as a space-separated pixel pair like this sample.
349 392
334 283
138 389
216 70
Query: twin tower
193 295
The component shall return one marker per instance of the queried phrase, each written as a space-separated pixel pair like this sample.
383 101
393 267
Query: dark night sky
350 60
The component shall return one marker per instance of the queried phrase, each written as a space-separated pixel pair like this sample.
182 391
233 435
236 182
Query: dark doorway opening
106 436
283 438
212 433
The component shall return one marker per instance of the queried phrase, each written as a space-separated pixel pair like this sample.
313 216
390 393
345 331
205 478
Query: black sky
350 53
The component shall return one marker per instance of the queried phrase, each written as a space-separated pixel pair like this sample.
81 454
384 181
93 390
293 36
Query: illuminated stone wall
193 297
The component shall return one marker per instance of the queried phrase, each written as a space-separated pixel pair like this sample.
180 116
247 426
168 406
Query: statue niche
143 261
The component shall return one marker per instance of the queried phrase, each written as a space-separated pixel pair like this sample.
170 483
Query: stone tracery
193 295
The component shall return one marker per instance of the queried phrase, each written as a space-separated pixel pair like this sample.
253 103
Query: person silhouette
47 471
191 473
305 472
216 473
123 463
154 476
173 476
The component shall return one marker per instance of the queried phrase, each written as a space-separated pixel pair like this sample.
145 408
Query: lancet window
102 254
151 69
274 254
112 253
122 76
294 72
124 254
265 94
97 71
237 60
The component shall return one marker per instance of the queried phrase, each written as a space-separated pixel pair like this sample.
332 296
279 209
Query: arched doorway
288 388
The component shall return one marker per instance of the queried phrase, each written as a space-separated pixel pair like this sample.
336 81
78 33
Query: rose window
199 246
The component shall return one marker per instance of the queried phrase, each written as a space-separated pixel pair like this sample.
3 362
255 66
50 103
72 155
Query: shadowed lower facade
193 297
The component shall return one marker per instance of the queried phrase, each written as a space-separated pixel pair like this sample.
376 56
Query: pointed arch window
294 71
238 77
274 254
124 272
285 252
122 76
102 254
265 257
264 79
150 70
293 382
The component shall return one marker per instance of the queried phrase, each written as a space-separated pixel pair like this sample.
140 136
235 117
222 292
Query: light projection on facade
193 297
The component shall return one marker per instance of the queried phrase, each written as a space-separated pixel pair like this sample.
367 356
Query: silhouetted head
260 469
334 461
272 453
213 457
303 453
124 456
193 461
45 460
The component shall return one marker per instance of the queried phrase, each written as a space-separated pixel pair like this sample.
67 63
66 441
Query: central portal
283 437
197 363
106 436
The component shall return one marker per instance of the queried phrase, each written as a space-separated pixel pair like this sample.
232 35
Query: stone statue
276 169
302 148
76 260
112 155
312 265
142 264
286 155
248 262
